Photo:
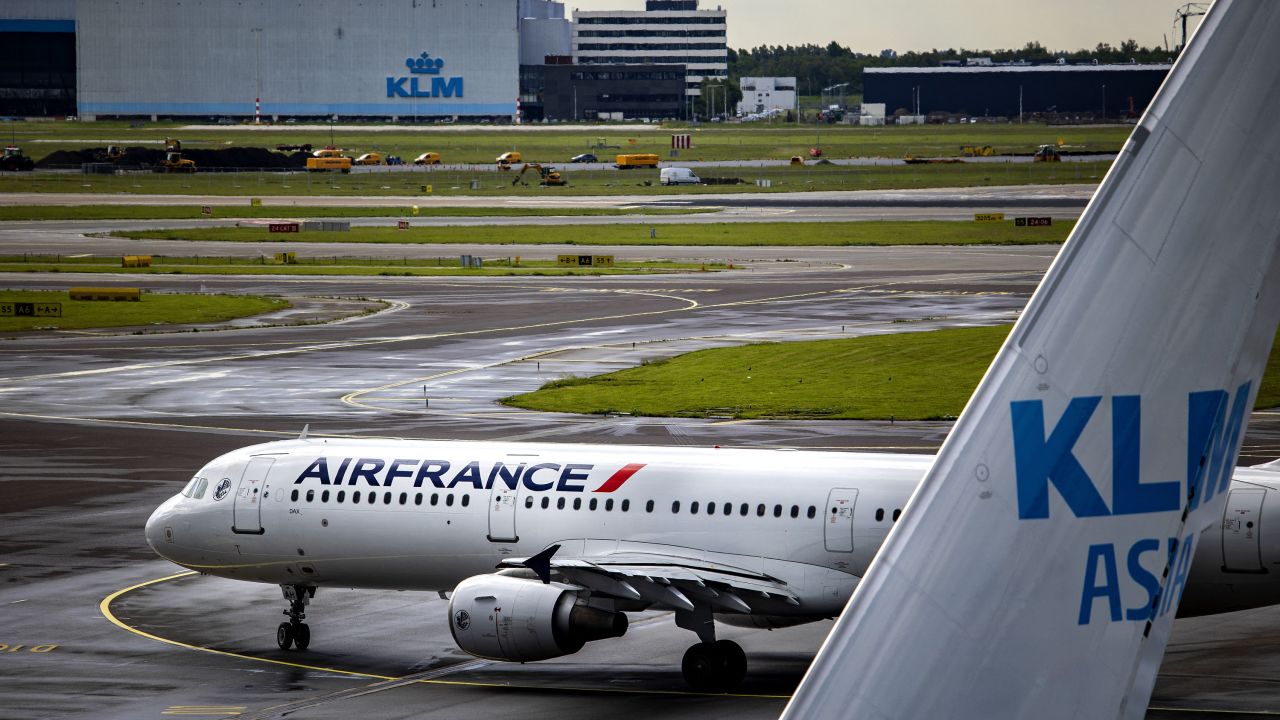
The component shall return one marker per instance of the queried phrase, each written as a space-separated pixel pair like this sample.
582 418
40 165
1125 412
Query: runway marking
205 710
104 607
31 649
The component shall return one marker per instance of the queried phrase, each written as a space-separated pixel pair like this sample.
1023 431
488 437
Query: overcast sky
923 24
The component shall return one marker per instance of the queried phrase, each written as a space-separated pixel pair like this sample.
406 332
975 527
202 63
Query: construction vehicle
305 147
14 160
427 158
550 176
172 145
330 162
372 158
977 150
506 159
636 160
174 162
797 160
113 153
328 152
1048 153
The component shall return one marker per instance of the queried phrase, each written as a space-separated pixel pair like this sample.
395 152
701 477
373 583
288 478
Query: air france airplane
582 535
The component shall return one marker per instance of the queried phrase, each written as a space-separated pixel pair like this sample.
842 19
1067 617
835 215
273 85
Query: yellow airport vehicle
636 160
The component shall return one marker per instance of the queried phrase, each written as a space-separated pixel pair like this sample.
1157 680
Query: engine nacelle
505 618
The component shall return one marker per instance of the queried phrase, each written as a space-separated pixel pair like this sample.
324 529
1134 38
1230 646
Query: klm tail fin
1037 570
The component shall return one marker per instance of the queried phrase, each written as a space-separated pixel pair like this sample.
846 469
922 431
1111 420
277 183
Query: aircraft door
248 500
502 513
1241 530
839 519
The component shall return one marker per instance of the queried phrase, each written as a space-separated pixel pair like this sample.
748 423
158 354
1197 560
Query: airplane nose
157 530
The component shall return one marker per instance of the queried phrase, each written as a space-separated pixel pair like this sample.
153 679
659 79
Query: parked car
372 158
584 158
678 176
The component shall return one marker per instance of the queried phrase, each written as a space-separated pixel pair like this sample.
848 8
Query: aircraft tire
302 636
714 667
284 635
734 661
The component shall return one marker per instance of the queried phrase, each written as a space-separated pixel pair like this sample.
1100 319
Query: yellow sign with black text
988 217
584 261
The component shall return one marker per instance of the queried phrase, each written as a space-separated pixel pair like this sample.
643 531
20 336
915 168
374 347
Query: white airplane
763 538
996 595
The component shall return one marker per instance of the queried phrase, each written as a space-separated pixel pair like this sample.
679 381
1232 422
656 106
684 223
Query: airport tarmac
98 428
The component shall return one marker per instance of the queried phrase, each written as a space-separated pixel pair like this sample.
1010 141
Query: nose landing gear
295 632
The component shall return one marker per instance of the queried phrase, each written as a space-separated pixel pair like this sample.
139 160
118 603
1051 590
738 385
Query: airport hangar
398 60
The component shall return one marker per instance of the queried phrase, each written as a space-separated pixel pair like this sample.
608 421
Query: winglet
540 564
303 435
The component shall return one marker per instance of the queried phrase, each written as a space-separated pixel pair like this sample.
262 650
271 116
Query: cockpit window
195 489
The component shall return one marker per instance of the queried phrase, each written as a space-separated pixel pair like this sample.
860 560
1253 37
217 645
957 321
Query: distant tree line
816 67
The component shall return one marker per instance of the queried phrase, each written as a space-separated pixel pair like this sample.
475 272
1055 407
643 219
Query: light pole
257 98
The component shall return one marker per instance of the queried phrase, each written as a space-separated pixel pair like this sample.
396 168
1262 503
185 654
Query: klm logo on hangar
417 87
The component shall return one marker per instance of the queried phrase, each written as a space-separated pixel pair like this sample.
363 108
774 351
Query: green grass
748 141
908 376
152 309
333 266
190 212
448 183
925 232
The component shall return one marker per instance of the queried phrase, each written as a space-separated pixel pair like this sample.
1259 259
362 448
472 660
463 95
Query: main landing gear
295 632
714 666
711 665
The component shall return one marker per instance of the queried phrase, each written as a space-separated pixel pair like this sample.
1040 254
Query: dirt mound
226 158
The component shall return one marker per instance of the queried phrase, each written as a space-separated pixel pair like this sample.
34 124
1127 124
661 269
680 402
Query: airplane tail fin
1037 569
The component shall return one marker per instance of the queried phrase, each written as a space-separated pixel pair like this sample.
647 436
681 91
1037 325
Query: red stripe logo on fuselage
616 480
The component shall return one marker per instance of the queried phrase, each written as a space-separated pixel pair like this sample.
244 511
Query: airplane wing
664 579
1038 567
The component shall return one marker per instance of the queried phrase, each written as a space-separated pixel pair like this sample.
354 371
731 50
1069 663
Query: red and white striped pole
257 111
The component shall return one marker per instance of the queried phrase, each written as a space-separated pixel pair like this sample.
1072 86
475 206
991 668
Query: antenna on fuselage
303 435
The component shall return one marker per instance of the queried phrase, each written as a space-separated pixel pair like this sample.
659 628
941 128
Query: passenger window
404 498
813 511
777 511
760 510
728 508
577 503
311 495
448 500
608 505
417 498
711 508
626 505
355 497
795 511
386 498
742 510
675 506
466 500
560 503
896 513
324 496
528 502
342 495
591 505
546 502
294 496
435 498
879 514
648 506
693 508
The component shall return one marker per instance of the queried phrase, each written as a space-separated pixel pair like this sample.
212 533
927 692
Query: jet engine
505 618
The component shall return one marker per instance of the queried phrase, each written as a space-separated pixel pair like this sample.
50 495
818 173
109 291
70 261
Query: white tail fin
1037 570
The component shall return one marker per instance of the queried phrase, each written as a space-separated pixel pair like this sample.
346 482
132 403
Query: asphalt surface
96 429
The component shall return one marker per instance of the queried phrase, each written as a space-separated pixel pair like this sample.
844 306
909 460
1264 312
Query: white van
678 176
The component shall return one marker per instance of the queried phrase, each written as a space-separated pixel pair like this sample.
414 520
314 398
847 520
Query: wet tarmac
96 429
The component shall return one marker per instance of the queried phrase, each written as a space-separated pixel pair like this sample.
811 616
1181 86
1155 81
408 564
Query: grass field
908 376
152 309
446 183
925 232
191 212
748 141
335 265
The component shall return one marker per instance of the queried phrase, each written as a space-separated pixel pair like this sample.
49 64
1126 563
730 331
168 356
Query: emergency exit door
839 519
502 514
1241 531
248 500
